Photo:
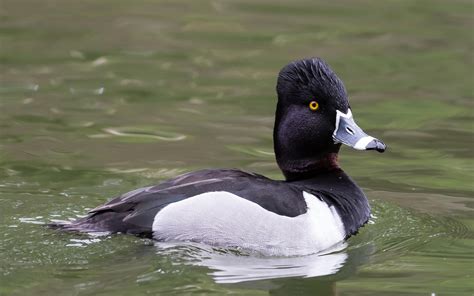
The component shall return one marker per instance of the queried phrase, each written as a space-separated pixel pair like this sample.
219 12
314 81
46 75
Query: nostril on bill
350 131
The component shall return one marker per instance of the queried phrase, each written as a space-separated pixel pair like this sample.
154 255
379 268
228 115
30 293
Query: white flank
226 220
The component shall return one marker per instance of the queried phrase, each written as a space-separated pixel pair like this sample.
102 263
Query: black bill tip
376 145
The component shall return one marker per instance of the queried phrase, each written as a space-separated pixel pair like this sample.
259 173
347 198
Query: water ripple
141 133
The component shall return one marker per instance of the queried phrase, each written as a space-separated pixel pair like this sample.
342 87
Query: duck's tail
79 225
101 223
59 224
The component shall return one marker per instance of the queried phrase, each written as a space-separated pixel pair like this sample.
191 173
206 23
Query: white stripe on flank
224 219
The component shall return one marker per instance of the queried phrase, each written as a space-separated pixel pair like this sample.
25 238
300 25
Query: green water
100 97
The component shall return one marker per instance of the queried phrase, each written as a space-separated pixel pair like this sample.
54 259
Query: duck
315 207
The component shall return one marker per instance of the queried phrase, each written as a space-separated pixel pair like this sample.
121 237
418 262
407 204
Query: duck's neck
303 150
306 169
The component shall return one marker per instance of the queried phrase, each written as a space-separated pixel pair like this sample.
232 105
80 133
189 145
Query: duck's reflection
234 267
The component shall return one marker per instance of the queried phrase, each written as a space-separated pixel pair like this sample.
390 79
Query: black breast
339 190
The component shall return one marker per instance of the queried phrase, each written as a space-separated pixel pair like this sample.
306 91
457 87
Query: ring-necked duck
316 207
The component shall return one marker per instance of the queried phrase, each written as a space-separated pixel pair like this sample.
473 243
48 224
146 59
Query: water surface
98 98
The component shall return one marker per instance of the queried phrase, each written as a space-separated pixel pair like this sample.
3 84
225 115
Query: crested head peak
311 75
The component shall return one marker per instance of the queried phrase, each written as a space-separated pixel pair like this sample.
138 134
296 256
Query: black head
310 97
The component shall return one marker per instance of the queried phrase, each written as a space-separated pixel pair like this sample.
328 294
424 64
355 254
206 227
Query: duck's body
315 208
273 217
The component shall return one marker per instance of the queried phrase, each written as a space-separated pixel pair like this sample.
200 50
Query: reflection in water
233 269
231 266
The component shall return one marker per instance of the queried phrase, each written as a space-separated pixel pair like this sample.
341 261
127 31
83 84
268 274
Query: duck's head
313 118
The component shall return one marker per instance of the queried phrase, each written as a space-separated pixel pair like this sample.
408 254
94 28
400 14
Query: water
98 98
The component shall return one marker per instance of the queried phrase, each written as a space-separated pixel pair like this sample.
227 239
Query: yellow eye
313 106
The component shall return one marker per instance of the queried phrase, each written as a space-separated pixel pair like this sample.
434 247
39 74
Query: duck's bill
349 133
